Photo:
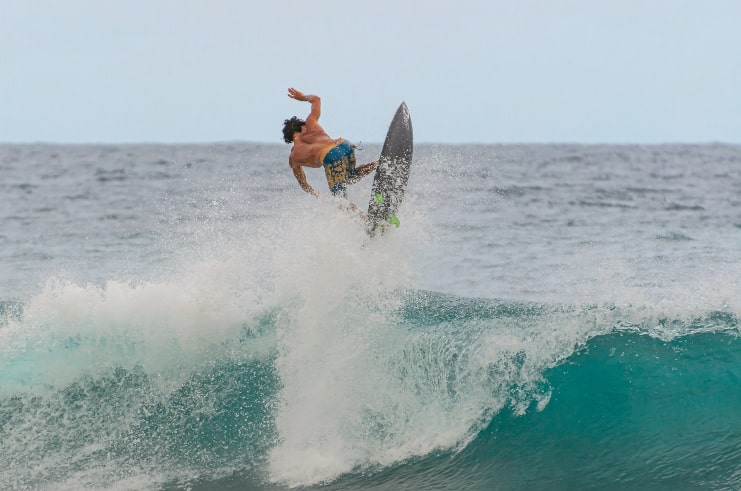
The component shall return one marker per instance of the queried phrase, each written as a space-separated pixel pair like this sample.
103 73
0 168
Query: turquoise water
546 317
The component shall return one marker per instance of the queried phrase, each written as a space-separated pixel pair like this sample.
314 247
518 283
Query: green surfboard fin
393 220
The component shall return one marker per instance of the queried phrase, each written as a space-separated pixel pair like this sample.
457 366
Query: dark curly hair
291 126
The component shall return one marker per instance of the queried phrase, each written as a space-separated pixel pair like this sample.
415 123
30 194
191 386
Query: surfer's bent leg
362 171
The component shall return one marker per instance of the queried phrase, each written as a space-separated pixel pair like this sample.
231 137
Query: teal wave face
626 411
630 411
421 389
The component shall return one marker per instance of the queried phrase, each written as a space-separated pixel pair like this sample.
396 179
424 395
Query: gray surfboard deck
392 173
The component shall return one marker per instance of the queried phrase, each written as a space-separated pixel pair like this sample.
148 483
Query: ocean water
546 317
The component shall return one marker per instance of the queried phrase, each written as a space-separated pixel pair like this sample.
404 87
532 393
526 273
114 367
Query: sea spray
365 385
323 349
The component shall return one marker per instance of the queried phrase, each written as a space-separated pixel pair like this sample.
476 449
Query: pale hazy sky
494 71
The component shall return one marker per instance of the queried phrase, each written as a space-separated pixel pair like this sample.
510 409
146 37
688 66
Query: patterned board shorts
339 166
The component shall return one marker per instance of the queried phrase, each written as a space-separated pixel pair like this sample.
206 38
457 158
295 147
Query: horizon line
426 143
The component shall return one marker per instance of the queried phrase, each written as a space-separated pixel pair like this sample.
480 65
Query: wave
156 384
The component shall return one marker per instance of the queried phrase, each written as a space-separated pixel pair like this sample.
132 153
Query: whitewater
545 317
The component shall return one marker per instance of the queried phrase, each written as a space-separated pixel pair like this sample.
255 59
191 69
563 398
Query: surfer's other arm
301 178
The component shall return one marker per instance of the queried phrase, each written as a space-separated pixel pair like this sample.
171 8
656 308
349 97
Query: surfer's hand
296 94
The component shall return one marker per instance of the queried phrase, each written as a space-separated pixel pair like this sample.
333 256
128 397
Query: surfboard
392 173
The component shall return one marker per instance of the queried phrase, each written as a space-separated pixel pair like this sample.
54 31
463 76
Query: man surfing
313 147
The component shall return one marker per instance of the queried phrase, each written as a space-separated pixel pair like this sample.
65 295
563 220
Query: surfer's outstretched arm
316 105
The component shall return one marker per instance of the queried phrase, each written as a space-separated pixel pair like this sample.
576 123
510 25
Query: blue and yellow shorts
339 166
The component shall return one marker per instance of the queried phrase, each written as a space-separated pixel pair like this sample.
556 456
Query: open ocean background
551 317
